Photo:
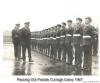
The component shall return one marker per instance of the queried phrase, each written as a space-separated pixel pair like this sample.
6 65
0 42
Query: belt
32 38
62 36
40 39
86 36
45 38
57 37
68 35
52 37
76 35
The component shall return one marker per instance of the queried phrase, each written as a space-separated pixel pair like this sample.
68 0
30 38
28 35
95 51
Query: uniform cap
27 23
58 25
52 27
69 21
63 23
17 24
89 18
80 19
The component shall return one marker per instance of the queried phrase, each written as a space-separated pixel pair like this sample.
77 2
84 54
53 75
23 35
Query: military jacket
69 35
88 34
15 36
77 34
25 36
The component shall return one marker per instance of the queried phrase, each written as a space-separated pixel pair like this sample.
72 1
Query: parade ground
42 65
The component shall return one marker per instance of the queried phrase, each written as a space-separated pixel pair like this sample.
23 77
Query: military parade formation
67 42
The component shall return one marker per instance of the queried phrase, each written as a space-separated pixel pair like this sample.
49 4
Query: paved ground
42 65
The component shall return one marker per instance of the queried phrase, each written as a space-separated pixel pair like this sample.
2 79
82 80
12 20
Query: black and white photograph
49 38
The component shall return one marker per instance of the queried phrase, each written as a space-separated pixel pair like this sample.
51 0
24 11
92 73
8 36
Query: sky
44 14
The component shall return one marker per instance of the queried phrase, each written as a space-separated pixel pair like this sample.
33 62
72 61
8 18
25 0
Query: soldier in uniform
77 42
55 42
88 38
16 42
37 41
62 41
59 48
95 43
26 41
40 42
68 42
33 41
48 41
52 42
46 44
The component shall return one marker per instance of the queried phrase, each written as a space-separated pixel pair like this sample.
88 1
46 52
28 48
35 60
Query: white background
43 14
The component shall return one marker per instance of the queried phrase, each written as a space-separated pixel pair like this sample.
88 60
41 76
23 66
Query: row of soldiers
67 42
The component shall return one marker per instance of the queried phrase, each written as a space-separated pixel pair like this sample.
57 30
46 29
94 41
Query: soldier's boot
64 60
55 55
19 58
46 51
64 56
70 60
51 55
30 60
59 55
24 59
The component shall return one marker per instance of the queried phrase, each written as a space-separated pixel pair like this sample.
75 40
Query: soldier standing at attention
59 47
88 38
26 41
16 42
62 37
49 43
46 44
52 42
77 42
68 42
61 42
95 43
55 42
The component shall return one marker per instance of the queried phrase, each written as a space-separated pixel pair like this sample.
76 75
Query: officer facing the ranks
88 38
26 41
16 42
77 42
68 42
